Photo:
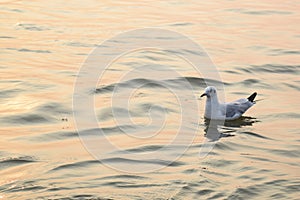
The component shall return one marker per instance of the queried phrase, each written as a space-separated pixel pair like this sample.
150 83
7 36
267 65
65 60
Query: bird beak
204 94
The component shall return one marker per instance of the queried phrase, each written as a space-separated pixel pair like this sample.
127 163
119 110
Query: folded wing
235 109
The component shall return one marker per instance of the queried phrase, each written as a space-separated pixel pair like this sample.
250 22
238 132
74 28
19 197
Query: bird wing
236 108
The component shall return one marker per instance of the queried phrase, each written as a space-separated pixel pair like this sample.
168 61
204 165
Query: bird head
209 92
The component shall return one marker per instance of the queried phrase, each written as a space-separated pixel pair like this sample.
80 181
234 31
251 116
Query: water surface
255 46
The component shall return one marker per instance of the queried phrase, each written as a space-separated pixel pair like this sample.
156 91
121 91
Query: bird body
225 111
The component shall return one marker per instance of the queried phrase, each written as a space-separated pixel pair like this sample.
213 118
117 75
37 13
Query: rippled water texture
255 47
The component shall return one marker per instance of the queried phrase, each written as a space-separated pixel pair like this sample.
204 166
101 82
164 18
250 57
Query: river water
139 101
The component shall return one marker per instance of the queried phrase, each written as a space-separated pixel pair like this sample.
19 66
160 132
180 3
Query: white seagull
228 111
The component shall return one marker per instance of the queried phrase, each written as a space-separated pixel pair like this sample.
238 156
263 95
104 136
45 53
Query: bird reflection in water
212 132
217 129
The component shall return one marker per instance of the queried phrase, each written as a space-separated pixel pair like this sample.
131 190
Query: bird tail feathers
252 97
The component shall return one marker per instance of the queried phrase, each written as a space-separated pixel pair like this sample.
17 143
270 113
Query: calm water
255 46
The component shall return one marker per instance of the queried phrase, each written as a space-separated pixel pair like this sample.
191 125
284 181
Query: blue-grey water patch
29 50
31 27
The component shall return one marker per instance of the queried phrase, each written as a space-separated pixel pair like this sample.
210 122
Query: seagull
225 111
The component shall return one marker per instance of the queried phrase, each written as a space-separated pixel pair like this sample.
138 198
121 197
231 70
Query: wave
28 119
272 68
16 161
75 165
149 161
29 50
177 83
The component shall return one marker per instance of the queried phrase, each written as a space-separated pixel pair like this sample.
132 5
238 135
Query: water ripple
276 52
259 12
272 68
124 176
255 135
150 161
28 119
15 161
293 86
125 184
75 165
53 108
29 50
31 27
9 93
177 83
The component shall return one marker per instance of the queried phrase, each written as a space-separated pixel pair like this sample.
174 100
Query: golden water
255 46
